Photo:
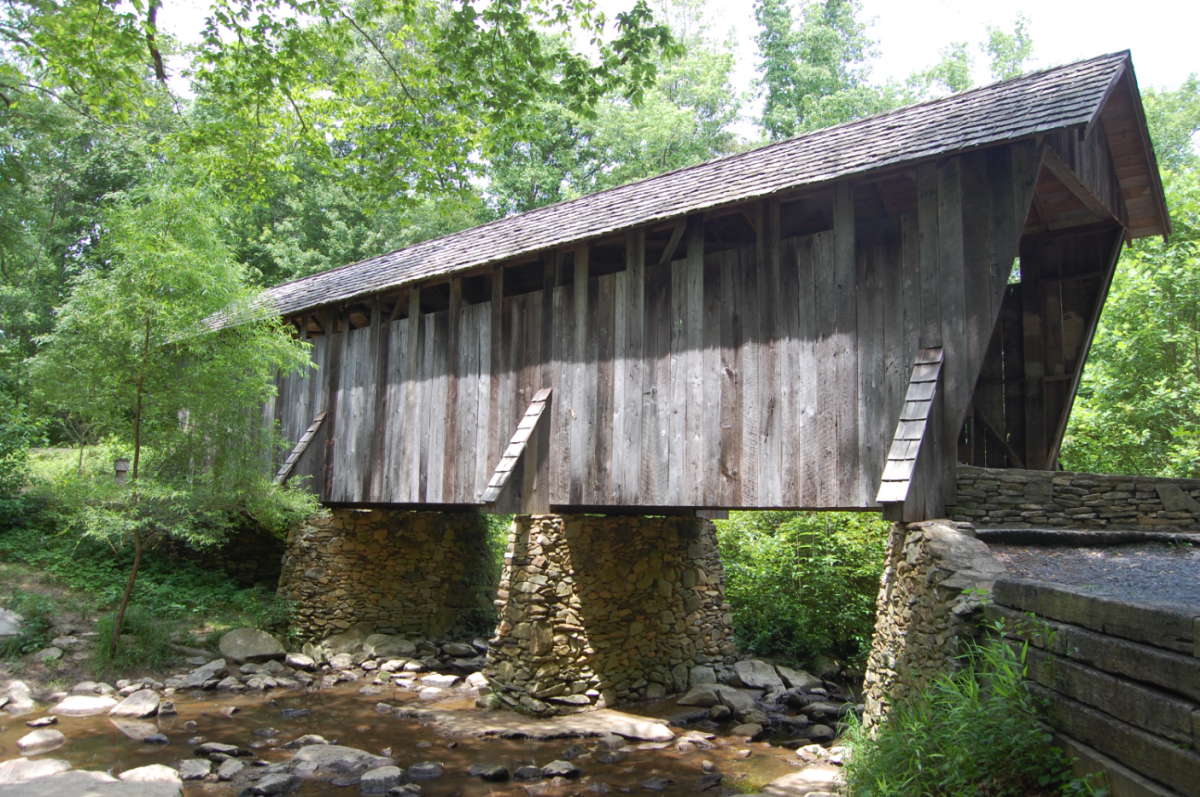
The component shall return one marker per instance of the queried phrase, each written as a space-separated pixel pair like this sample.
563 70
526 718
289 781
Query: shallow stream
344 715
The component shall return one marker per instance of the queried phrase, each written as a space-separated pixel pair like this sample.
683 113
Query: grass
974 733
37 612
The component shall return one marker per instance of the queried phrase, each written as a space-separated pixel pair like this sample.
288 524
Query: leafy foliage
18 431
36 613
803 585
975 732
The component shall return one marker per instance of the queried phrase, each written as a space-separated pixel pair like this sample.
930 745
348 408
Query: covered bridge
832 321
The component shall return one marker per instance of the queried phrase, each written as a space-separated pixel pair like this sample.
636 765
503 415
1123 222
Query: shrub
37 612
803 584
973 733
18 431
145 642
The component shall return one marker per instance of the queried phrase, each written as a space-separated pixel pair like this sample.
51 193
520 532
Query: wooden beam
883 199
289 464
516 446
911 430
1059 168
999 435
673 244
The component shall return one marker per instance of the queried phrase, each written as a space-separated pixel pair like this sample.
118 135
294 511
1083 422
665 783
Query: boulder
493 773
271 785
20 698
388 646
194 768
459 650
561 769
85 688
330 760
229 769
751 730
250 644
91 784
84 706
341 661
440 681
299 661
152 773
797 679
700 675
42 740
704 695
758 675
142 703
49 654
10 623
381 779
212 671
816 778
346 642
137 730
426 770
18 769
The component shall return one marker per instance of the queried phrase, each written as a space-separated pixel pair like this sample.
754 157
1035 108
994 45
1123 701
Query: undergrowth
145 642
37 620
972 733
803 584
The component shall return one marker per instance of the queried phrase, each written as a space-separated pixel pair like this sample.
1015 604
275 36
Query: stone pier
599 610
416 573
936 580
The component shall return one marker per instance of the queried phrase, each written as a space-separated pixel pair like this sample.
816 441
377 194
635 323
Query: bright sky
1161 33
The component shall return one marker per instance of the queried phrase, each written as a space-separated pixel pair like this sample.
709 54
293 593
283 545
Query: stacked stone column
415 573
936 579
599 610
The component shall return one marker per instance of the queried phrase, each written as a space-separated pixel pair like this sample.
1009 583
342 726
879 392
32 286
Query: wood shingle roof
1050 100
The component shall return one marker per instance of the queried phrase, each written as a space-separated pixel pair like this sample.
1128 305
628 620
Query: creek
345 715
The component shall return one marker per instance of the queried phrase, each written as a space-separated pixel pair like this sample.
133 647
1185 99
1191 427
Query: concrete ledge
1175 767
1121 780
1166 669
1163 625
1063 538
1153 710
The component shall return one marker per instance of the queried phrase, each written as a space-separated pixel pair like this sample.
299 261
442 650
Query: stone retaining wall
1017 498
936 578
420 573
1122 678
599 610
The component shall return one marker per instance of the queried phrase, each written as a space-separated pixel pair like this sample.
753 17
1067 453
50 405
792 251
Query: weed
145 642
975 732
37 613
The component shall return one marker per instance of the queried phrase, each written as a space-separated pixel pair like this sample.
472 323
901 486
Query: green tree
814 67
134 352
1009 54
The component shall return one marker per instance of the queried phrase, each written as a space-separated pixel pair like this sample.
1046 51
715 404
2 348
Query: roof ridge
731 157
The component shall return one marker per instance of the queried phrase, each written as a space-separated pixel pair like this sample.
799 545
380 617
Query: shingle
1019 108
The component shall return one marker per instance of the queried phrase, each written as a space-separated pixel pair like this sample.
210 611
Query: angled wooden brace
289 464
910 431
516 446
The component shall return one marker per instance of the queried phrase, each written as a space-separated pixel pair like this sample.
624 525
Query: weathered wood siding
767 376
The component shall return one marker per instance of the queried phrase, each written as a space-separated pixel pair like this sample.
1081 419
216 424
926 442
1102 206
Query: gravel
1151 572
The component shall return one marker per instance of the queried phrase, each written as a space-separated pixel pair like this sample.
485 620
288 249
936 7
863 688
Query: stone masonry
599 610
417 573
1021 498
936 578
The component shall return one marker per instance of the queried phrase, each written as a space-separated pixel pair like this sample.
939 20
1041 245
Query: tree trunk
133 498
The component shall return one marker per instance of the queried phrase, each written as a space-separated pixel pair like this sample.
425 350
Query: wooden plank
490 455
811 253
930 253
656 414
1034 349
634 365
412 430
396 425
845 353
604 341
676 236
956 373
532 490
913 435
895 356
508 462
729 464
520 385
826 454
538 494
710 428
870 340
581 450
677 387
473 459
561 421
751 397
620 445
452 365
976 214
770 448
285 471
694 448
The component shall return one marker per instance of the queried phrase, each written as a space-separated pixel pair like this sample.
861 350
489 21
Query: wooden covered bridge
832 321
